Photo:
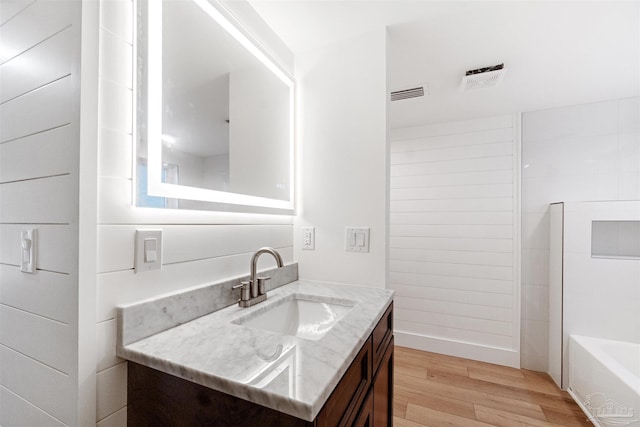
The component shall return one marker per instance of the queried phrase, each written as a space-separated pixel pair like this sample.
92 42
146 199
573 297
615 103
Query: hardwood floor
436 390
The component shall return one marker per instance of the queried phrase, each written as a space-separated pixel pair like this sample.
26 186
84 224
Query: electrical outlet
308 238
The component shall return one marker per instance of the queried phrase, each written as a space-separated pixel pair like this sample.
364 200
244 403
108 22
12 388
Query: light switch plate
308 238
357 239
148 255
28 250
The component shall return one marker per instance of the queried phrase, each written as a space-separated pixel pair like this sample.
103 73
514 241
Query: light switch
148 255
150 250
28 250
357 239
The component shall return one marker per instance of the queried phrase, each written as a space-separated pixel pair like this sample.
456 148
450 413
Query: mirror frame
155 186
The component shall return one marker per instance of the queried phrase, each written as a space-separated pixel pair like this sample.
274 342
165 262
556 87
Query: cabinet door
365 417
383 390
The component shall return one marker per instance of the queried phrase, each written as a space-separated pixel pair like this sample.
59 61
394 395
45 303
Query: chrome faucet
254 291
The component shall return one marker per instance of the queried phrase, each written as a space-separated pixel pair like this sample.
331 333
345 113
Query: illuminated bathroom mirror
215 115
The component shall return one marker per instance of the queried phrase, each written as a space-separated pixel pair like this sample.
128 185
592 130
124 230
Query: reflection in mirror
215 114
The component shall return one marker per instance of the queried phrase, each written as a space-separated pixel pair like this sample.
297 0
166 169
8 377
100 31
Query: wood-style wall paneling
33 25
54 249
453 219
41 385
47 107
39 142
18 411
46 341
37 155
39 201
34 292
46 62
183 243
111 388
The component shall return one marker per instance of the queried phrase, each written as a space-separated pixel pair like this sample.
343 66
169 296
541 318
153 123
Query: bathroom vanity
313 354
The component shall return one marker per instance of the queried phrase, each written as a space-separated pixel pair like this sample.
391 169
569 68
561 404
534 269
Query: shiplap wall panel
115 158
453 269
106 339
10 8
47 107
36 156
453 192
419 329
451 218
491 136
186 243
453 257
17 411
466 128
36 382
55 52
111 389
471 231
41 201
117 419
451 179
450 166
116 106
48 342
33 25
452 153
454 308
54 249
453 244
479 297
120 72
34 293
453 204
39 142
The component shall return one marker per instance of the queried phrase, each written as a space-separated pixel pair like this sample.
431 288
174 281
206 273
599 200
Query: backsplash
155 315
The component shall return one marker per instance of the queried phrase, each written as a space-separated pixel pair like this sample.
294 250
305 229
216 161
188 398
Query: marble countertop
286 373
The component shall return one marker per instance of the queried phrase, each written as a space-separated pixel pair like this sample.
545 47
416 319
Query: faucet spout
254 266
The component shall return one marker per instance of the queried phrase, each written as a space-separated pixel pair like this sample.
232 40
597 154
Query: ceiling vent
414 92
482 78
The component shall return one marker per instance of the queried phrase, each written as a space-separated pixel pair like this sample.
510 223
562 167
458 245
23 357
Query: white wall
601 296
341 161
199 247
40 313
455 237
585 152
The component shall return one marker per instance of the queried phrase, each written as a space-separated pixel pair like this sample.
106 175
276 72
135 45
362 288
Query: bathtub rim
620 371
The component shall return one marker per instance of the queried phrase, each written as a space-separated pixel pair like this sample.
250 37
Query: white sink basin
298 315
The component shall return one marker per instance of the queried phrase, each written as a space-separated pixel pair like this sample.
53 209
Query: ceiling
556 52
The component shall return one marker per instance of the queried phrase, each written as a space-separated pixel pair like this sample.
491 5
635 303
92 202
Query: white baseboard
498 356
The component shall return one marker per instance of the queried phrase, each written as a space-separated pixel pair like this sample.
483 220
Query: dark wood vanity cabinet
362 398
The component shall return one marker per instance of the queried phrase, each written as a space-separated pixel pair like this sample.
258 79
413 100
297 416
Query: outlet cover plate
308 238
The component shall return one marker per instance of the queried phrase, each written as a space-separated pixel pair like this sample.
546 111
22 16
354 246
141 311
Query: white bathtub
604 379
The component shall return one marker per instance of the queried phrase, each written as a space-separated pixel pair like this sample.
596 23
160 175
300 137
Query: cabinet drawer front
347 397
381 336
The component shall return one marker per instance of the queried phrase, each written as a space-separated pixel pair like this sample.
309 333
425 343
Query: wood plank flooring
435 390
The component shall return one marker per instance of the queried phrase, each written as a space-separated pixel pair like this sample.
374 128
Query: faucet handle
262 284
245 291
